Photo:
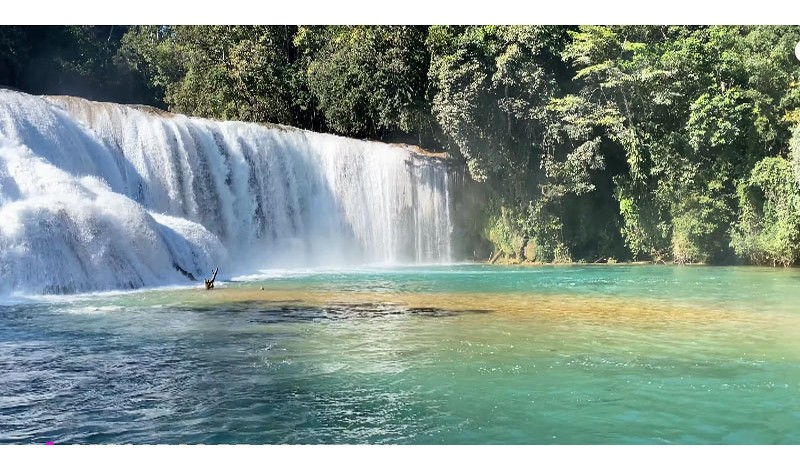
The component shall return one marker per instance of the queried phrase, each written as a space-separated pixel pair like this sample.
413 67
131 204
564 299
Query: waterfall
97 196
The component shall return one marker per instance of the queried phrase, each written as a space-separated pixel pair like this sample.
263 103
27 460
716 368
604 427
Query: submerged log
210 282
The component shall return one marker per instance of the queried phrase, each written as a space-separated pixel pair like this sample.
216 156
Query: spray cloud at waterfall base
98 196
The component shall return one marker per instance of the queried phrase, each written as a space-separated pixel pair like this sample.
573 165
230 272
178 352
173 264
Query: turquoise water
465 354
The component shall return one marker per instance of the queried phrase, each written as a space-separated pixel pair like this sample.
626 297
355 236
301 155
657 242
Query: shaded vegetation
599 142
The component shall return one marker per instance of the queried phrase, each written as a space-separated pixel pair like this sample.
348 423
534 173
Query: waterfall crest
97 196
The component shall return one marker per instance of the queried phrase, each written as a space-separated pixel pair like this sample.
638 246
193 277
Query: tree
369 80
698 108
225 72
499 97
73 60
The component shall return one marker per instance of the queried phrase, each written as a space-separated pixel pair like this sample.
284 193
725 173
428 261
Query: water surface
465 354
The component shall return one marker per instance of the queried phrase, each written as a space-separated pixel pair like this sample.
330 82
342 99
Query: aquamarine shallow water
465 354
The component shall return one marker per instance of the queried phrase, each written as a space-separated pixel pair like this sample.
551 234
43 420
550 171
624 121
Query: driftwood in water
210 282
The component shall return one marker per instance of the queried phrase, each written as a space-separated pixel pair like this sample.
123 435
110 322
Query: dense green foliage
634 142
768 228
72 60
227 72
368 81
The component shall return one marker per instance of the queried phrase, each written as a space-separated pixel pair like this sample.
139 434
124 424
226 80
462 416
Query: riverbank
516 262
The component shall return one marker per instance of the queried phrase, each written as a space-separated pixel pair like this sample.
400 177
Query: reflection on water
447 361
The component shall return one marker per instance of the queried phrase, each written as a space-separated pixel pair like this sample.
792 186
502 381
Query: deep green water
465 354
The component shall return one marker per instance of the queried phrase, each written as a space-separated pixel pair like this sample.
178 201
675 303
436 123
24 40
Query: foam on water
99 196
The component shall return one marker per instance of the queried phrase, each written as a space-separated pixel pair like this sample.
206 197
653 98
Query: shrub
768 226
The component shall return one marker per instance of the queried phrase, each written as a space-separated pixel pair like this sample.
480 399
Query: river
451 354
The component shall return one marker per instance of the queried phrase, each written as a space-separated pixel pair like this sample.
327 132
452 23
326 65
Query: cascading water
98 196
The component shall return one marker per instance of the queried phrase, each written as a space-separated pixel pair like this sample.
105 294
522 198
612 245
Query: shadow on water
293 311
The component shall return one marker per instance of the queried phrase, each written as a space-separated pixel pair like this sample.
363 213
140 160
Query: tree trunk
210 282
522 256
